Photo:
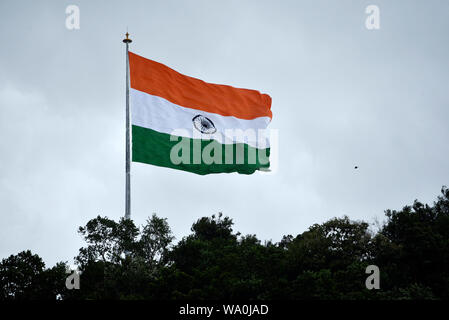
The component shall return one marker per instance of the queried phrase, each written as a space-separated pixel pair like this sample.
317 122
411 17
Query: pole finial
127 40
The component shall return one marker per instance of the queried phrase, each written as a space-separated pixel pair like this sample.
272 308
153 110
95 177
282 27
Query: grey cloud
342 96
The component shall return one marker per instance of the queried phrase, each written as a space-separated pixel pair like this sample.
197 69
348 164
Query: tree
19 275
332 245
24 277
155 241
108 241
328 261
414 246
120 260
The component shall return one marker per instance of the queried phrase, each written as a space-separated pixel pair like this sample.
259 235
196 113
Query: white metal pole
127 41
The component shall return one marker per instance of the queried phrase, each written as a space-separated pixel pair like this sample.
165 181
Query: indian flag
185 123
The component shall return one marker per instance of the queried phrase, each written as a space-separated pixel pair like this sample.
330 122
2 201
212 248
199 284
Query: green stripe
152 147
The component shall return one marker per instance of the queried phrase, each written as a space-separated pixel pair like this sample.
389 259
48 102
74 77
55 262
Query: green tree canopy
327 261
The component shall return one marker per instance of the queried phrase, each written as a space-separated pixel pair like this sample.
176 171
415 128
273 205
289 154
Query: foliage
327 261
24 277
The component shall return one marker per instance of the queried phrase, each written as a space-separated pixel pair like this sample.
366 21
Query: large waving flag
185 123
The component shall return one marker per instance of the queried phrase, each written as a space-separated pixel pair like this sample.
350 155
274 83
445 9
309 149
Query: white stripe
161 115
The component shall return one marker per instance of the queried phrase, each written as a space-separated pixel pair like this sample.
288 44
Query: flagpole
127 41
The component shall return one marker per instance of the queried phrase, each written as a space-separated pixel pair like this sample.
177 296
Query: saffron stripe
159 80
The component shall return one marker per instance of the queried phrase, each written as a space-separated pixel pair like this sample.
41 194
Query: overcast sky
343 96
